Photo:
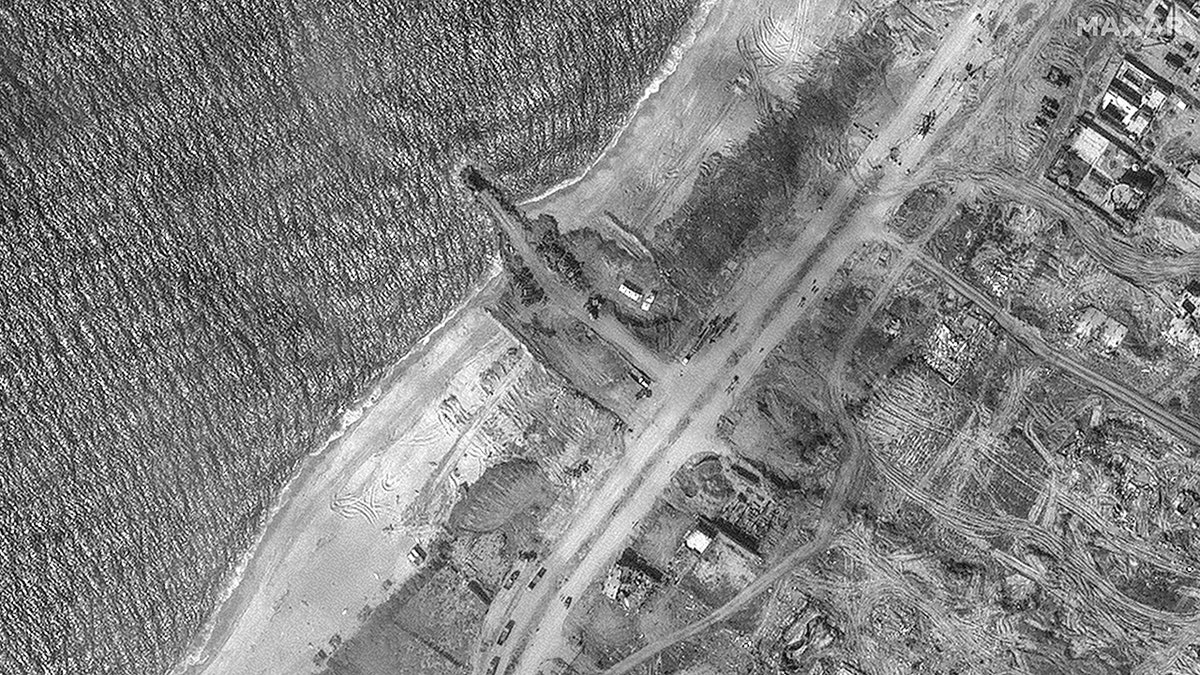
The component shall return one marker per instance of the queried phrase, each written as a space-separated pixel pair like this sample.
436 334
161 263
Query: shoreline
675 55
234 595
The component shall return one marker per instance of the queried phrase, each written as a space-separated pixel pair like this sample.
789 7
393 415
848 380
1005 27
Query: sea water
219 221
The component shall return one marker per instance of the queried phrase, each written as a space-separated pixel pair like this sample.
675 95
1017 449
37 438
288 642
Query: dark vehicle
536 578
504 633
567 601
495 664
512 579
641 378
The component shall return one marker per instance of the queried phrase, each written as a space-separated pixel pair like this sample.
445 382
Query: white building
1094 323
631 291
1133 99
698 541
647 301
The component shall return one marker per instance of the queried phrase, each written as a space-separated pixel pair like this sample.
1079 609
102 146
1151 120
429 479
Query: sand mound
501 492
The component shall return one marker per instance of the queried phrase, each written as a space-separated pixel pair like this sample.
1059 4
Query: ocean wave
220 225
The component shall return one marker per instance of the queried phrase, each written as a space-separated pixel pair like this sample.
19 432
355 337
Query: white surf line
358 409
194 656
675 56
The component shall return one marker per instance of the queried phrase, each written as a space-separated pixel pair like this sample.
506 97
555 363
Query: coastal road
848 477
911 253
770 298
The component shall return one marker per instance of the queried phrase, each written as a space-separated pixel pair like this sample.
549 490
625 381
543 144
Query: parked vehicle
495 664
512 579
504 633
536 578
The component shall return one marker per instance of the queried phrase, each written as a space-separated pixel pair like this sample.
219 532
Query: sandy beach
335 544
701 106
679 49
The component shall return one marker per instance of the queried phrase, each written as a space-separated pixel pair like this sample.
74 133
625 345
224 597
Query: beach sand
335 543
325 554
705 102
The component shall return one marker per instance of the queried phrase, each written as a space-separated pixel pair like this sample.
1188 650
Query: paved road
771 296
848 478
850 469
849 474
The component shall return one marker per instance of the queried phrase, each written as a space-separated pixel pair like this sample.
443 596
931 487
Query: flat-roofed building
1134 98
631 291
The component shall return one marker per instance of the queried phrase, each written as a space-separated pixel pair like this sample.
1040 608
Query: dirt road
1099 236
1028 336
848 477
853 460
771 296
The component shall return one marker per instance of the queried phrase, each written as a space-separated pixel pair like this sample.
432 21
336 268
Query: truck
417 555
536 578
504 633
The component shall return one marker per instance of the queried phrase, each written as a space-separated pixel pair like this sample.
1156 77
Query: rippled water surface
219 222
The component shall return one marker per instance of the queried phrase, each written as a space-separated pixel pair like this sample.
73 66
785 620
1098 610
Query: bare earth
769 298
340 540
702 108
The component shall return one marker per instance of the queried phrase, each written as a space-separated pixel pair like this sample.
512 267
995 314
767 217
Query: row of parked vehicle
507 630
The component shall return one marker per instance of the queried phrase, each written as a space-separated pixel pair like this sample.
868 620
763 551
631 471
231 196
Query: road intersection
776 291
770 298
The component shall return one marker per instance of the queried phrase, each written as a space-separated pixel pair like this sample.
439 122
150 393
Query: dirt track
769 299
1028 336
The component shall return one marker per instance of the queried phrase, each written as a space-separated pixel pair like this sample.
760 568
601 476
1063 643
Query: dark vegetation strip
735 195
